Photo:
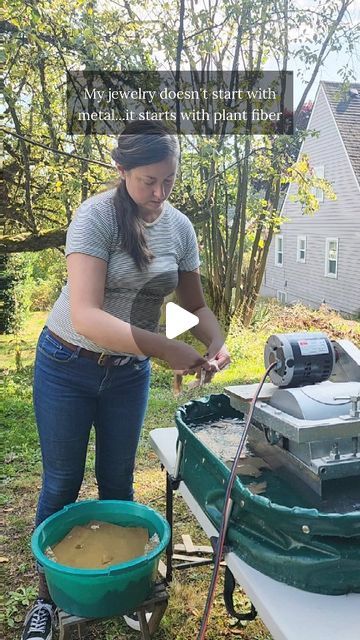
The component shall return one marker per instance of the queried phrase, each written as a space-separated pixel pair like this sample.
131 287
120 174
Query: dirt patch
300 318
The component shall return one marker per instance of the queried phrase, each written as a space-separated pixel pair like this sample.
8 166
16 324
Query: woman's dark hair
141 143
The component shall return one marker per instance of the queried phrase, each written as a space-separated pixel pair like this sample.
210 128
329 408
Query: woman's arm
86 279
208 331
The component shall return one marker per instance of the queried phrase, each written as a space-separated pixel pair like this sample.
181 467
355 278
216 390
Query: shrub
16 290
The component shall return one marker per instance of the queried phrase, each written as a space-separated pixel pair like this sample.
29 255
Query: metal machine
306 424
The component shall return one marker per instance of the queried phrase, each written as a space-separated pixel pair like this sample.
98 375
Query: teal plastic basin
267 531
93 593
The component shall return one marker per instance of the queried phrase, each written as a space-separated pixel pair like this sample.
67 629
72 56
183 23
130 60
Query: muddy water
97 545
222 438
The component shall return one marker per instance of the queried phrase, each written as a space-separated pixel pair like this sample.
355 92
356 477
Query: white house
316 259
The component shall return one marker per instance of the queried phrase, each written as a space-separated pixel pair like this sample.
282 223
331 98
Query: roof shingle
345 106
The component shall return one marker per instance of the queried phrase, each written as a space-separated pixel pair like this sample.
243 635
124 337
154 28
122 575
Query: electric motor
302 358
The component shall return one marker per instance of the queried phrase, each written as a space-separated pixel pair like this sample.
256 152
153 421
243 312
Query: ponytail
131 228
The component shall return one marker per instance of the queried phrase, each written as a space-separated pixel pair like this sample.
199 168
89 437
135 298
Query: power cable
227 509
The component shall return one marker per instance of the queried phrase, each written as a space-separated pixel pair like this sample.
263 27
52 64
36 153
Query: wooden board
198 548
188 543
162 569
187 558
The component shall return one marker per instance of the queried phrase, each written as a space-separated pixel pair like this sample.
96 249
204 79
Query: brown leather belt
102 359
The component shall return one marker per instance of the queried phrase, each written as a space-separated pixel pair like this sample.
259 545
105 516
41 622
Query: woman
126 249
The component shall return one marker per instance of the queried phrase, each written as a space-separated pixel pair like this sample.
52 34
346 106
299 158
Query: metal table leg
169 518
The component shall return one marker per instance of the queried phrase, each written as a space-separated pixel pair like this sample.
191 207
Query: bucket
95 593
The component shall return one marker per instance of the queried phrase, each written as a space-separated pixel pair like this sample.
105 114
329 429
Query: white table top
289 613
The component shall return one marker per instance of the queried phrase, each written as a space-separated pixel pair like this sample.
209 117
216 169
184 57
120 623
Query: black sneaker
39 621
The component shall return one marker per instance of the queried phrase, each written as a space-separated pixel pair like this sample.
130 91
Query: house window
319 172
279 251
281 297
301 249
331 257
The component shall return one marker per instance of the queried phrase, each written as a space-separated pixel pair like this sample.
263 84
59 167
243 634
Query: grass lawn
22 476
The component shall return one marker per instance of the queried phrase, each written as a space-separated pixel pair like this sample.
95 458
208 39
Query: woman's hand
218 358
185 359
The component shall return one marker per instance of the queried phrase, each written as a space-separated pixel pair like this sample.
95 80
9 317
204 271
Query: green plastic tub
93 593
277 533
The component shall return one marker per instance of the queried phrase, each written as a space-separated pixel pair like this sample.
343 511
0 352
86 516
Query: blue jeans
72 393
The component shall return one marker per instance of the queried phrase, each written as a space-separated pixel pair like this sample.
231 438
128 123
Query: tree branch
332 29
33 242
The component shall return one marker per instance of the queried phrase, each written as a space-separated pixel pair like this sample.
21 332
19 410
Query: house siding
340 219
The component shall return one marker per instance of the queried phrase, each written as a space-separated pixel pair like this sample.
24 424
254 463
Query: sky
334 62
330 71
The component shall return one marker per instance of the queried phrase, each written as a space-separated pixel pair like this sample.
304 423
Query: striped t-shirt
130 294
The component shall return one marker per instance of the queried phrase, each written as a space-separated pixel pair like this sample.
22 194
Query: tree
47 172
237 218
232 187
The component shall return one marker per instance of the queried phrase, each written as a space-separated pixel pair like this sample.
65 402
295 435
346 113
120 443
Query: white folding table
288 613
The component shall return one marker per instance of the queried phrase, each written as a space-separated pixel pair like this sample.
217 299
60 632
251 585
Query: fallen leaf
244 469
250 466
257 487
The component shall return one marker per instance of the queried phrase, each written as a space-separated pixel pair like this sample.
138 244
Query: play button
143 303
178 320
